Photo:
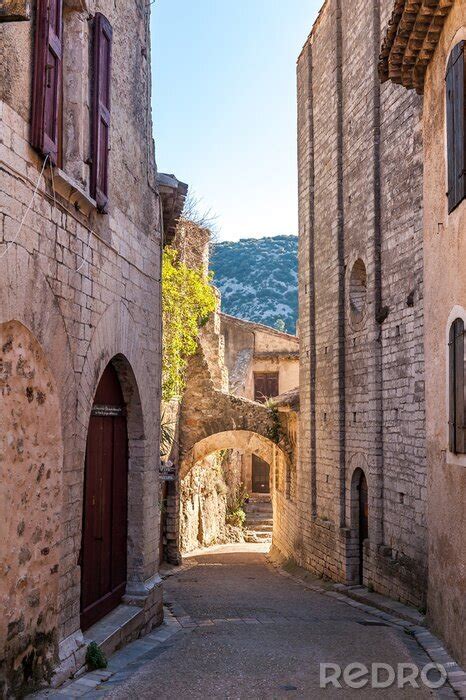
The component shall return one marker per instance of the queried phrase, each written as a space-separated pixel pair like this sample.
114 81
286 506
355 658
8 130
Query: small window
265 386
456 121
457 388
358 291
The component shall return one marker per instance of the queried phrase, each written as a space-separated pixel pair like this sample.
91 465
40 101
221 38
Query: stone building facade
424 49
262 363
359 514
219 427
79 325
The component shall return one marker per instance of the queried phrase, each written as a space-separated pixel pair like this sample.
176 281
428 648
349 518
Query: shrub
95 657
188 299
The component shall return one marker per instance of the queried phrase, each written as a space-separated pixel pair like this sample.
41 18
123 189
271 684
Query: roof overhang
410 40
173 194
287 401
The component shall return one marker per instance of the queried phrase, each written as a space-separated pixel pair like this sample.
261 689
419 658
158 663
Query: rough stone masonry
361 313
78 289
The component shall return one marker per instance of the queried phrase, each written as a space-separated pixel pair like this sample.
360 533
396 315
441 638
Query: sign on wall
167 471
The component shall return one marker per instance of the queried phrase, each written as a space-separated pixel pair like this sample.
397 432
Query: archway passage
104 543
363 521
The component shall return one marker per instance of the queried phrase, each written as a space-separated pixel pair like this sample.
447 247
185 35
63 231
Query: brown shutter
451 389
47 77
456 121
101 110
459 388
457 360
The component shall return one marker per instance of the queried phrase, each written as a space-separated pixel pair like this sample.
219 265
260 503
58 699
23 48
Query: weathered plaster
445 291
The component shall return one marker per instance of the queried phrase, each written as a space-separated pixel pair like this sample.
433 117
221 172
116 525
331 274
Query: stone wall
361 311
208 493
445 291
77 290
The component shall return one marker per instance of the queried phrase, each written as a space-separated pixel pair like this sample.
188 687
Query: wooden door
103 553
260 475
265 385
363 522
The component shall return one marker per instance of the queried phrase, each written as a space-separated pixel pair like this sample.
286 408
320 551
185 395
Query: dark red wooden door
103 554
363 522
265 385
260 475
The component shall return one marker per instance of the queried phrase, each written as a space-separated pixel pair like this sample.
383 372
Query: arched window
456 125
457 395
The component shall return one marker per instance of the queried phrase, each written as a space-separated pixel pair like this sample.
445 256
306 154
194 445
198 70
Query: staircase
259 519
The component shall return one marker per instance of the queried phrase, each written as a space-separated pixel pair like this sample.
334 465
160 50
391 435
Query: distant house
262 363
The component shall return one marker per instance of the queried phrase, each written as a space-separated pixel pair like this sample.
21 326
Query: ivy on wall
188 299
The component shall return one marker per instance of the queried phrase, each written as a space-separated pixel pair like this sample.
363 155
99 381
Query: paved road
251 633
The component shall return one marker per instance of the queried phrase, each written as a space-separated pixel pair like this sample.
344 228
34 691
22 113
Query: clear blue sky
224 106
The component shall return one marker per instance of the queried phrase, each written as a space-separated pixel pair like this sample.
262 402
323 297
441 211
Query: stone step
258 522
253 536
258 509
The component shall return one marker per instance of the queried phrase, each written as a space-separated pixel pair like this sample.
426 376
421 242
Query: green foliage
235 506
95 657
236 517
258 279
275 432
187 301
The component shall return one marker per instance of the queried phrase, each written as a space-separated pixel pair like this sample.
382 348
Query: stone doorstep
112 631
93 681
391 613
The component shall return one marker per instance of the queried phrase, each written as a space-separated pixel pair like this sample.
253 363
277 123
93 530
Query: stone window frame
451 457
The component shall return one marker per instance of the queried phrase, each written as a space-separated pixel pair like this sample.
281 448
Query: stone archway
31 470
243 440
246 441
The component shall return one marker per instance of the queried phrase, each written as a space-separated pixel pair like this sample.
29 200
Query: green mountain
258 279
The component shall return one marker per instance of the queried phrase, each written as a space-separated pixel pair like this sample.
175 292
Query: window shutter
459 387
47 77
457 367
456 121
451 389
101 110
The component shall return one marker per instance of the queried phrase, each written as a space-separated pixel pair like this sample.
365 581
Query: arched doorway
103 553
363 520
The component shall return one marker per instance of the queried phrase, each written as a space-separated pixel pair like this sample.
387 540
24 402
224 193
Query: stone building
262 363
424 49
359 510
81 227
222 426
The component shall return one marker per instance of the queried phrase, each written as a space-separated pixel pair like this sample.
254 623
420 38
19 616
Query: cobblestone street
242 630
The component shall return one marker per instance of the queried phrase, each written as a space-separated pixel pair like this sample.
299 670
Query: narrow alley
243 630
